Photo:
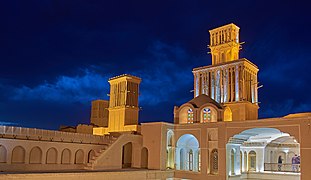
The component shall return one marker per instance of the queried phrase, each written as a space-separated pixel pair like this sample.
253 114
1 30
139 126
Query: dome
203 99
298 115
260 135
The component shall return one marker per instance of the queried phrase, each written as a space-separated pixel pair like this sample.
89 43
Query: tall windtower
229 80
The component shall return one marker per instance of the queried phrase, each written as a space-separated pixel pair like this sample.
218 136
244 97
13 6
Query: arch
214 161
79 157
18 155
169 138
3 154
66 156
245 161
270 144
232 161
213 135
35 156
51 156
186 115
127 155
241 161
90 155
170 150
252 161
271 157
188 159
290 156
208 114
227 114
144 158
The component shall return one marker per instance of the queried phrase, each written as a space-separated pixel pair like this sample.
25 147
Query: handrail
282 167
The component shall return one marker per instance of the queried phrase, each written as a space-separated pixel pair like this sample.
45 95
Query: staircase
90 164
110 157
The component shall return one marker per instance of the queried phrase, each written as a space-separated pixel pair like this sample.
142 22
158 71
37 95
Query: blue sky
56 56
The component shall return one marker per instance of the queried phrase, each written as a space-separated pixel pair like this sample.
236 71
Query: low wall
113 175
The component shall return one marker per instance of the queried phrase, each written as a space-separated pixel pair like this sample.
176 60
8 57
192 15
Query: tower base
243 110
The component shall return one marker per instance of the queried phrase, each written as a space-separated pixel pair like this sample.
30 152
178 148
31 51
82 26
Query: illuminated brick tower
229 80
123 105
99 113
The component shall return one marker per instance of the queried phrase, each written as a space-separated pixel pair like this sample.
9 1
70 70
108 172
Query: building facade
216 135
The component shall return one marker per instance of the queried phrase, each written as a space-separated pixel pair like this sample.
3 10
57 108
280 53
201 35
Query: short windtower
123 105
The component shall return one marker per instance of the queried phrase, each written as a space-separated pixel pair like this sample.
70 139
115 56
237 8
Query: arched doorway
35 156
144 158
66 156
187 148
51 156
79 157
252 161
18 155
2 154
127 155
90 155
265 149
170 150
227 114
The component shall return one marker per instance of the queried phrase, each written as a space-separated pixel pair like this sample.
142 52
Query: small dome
298 115
203 99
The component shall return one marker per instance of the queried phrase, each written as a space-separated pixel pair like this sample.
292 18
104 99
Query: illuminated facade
229 80
123 105
216 135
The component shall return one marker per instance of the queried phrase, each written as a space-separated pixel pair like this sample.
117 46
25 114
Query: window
190 116
190 160
252 161
207 116
214 161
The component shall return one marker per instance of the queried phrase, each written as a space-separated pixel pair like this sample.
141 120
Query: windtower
230 80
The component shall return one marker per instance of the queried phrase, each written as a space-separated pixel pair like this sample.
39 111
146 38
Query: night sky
56 56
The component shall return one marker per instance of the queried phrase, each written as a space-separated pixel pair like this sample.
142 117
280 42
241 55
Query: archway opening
188 153
170 150
227 114
265 150
127 155
144 158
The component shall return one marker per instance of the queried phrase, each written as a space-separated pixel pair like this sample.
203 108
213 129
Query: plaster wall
44 146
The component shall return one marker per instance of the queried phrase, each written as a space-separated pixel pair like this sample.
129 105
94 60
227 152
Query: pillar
237 92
